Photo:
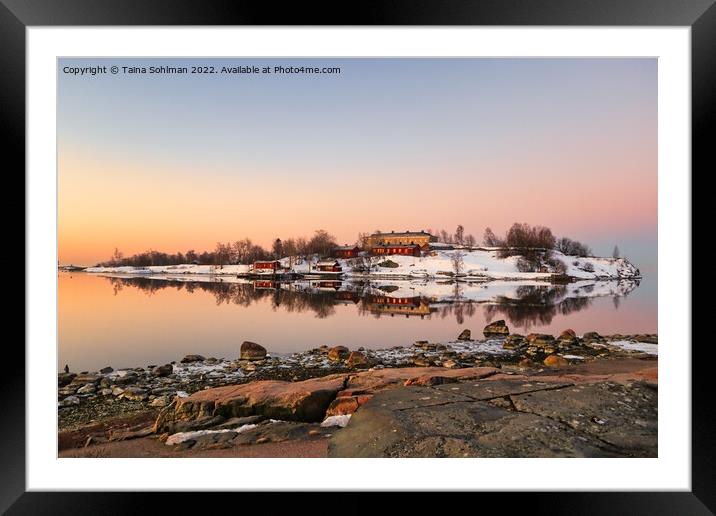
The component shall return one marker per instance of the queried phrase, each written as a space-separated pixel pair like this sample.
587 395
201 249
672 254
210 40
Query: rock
134 394
514 341
420 343
567 334
65 379
421 361
472 420
357 359
106 370
116 391
252 351
343 405
291 401
324 349
429 380
592 336
87 388
160 401
338 353
236 422
67 368
450 364
540 340
69 401
86 378
465 335
127 378
496 328
164 370
188 359
555 361
106 392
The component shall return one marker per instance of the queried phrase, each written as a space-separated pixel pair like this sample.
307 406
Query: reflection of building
264 284
348 295
420 238
326 285
406 306
404 249
328 266
346 251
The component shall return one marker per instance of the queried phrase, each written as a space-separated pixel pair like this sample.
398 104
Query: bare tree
277 249
470 240
444 236
615 252
458 262
460 234
490 240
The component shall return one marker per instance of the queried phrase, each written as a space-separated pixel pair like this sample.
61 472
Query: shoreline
121 405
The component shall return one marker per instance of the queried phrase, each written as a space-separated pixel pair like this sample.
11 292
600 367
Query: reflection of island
523 305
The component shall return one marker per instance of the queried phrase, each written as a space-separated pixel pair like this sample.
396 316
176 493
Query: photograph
357 257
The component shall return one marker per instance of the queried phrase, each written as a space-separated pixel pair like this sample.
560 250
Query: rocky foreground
506 395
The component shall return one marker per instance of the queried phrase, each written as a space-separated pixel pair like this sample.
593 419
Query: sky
174 162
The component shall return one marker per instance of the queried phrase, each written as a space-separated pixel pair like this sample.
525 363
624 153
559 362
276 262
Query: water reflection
524 306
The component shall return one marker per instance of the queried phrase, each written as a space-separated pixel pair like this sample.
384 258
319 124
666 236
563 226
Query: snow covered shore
481 264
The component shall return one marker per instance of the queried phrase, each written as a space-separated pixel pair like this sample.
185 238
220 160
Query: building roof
346 247
328 262
266 261
388 246
403 233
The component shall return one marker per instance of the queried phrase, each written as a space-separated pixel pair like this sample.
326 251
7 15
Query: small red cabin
406 250
346 251
328 266
272 265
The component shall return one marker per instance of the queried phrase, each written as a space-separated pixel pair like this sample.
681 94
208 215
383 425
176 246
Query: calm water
130 322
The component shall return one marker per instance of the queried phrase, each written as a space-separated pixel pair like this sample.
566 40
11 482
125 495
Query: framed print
451 239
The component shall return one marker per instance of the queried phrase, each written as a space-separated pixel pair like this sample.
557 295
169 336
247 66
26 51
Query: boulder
291 401
87 388
338 353
592 336
86 378
188 359
134 394
465 335
568 334
106 370
514 341
496 329
252 351
347 404
69 401
421 361
357 359
540 340
555 361
164 370
65 379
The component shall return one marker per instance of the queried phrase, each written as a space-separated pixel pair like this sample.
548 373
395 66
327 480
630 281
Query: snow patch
642 347
336 420
180 437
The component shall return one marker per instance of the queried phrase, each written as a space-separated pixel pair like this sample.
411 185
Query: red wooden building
328 266
267 266
403 249
346 251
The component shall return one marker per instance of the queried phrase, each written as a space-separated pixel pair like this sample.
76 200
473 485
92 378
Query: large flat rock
503 418
292 401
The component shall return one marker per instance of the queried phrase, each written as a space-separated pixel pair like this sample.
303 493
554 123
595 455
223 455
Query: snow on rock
341 420
180 437
641 347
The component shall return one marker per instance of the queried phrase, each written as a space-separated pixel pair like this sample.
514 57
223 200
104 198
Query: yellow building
420 238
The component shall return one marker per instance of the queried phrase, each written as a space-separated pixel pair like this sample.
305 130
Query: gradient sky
173 162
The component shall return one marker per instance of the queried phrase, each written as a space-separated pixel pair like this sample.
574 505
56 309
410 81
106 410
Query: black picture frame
700 15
